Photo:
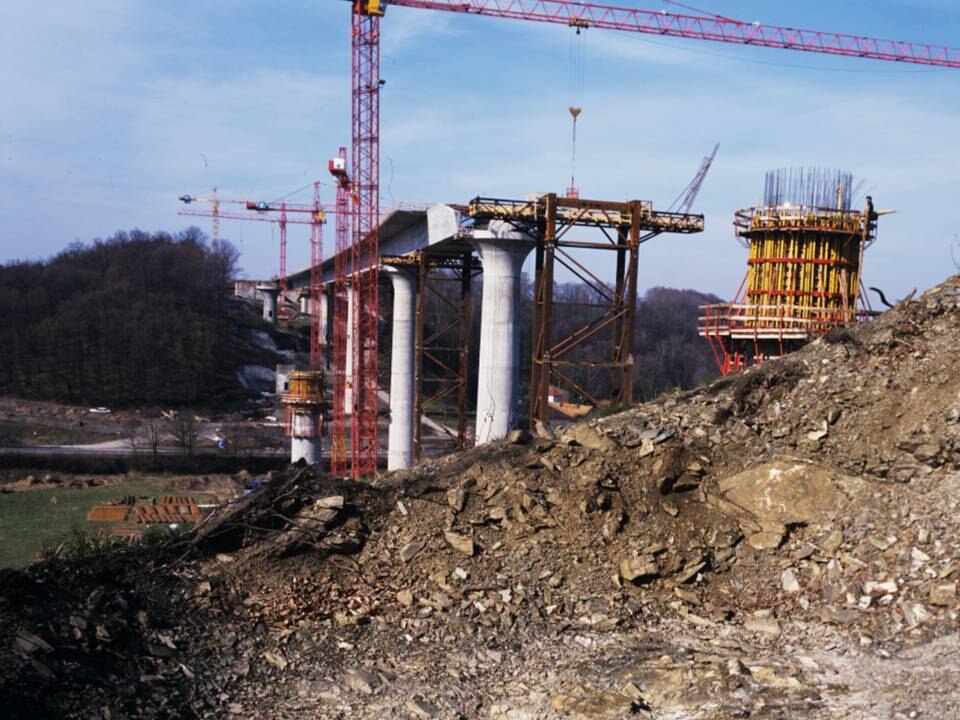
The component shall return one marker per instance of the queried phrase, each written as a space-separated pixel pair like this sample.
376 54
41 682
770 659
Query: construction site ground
782 543
39 509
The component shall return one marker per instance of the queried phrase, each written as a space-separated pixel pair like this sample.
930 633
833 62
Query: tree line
135 318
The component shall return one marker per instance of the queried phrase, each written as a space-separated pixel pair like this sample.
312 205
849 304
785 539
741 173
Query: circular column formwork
803 271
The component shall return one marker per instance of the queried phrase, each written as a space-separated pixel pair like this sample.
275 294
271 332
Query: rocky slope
783 543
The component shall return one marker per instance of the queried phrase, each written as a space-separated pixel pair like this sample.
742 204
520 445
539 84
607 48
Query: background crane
685 199
283 210
316 221
365 188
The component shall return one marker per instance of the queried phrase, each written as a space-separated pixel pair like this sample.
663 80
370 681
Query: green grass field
30 519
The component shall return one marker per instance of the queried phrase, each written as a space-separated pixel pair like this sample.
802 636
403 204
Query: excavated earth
783 543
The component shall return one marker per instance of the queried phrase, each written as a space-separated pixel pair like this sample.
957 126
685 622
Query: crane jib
714 29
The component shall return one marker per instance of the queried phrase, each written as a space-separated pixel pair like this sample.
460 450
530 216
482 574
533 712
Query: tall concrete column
498 379
269 294
402 352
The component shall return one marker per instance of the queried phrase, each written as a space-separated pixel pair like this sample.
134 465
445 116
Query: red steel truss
713 28
366 238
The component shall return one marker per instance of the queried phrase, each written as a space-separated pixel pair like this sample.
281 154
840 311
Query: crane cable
575 92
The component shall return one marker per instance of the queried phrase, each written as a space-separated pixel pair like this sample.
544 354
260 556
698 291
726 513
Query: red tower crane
342 270
365 33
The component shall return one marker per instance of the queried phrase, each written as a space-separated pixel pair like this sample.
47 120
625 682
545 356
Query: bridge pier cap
270 294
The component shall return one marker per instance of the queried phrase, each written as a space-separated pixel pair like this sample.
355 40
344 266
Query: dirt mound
738 550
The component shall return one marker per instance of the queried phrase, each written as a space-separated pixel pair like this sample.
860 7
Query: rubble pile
741 550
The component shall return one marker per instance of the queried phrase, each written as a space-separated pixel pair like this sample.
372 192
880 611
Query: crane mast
316 281
365 250
342 268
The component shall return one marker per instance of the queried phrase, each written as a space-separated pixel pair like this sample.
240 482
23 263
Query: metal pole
418 358
466 281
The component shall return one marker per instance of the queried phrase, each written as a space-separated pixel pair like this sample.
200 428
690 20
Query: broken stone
334 502
362 681
421 708
275 659
689 573
519 437
766 675
769 538
405 597
27 642
781 493
789 582
927 453
763 625
587 437
460 543
639 569
409 550
158 650
832 542
943 594
456 498
879 588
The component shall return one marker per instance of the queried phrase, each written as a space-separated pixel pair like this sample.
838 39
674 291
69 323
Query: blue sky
111 109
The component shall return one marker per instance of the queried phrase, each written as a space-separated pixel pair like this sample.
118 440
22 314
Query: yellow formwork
804 268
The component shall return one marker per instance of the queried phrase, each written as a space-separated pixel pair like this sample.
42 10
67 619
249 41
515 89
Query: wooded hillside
135 318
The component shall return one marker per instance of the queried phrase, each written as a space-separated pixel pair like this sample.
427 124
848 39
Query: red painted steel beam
725 30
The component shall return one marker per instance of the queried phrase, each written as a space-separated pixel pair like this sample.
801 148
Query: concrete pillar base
307 449
305 442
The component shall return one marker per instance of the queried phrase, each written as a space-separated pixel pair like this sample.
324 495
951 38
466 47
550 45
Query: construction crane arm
685 200
241 216
713 28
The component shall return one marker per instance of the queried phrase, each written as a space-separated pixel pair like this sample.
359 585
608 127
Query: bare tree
153 434
133 439
185 430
